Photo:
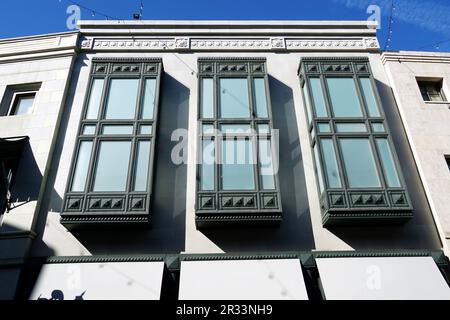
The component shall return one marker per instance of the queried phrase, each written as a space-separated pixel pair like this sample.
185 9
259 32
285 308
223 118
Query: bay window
359 179
237 176
111 175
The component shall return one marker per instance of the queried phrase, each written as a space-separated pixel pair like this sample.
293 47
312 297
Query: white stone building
118 218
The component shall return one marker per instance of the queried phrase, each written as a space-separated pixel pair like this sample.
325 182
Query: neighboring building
420 82
134 208
34 81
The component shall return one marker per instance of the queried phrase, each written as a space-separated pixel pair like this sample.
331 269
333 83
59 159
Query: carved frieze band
251 44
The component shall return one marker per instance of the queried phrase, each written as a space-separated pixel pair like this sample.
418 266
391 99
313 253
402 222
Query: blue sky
416 23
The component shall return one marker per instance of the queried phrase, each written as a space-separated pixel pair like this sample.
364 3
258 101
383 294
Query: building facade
140 199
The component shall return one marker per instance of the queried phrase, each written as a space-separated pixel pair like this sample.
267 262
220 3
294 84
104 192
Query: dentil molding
229 44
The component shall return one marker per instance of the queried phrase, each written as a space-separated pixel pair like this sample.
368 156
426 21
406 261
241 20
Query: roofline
415 56
37 36
230 23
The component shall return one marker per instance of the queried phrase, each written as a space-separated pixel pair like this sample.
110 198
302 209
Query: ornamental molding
230 44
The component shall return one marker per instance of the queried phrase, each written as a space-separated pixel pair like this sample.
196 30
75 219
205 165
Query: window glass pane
351 127
82 166
234 99
387 161
359 163
95 98
266 165
208 128
237 165
263 129
370 97
235 128
344 98
378 127
145 129
142 164
207 98
207 166
319 102
319 168
149 99
324 127
117 129
308 103
89 129
122 99
260 98
331 167
112 175
24 104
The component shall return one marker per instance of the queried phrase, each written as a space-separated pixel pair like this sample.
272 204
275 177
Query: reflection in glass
344 99
317 94
324 127
378 127
359 163
112 166
89 129
266 164
122 99
308 103
387 161
24 104
263 129
148 106
351 127
207 128
207 102
234 99
237 165
145 129
95 98
142 165
319 168
82 166
207 166
117 129
331 166
369 96
235 128
260 98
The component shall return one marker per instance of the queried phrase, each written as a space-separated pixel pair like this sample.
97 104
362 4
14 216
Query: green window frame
248 123
111 175
358 172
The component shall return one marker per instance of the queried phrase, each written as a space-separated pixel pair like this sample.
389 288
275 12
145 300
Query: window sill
437 102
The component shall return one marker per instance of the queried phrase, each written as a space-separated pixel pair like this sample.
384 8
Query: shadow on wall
419 232
167 233
295 231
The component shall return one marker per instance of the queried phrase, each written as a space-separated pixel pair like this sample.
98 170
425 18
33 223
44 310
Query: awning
242 279
386 278
99 281
12 147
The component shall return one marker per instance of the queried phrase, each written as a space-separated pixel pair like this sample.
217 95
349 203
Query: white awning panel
100 281
390 278
242 279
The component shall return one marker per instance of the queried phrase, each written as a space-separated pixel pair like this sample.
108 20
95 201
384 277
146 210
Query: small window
19 99
431 90
22 104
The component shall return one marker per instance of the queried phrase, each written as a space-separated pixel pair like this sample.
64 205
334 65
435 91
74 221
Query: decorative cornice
239 256
38 47
230 44
104 259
